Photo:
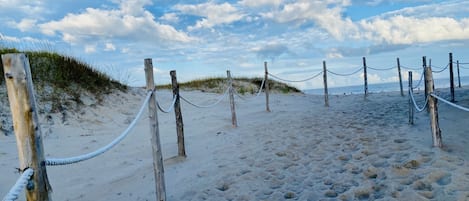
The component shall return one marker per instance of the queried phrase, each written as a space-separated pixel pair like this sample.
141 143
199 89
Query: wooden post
324 74
155 134
433 107
178 114
266 86
459 77
424 65
411 104
365 77
400 76
28 134
234 122
451 76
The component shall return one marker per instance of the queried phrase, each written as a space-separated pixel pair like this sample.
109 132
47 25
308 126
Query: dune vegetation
242 85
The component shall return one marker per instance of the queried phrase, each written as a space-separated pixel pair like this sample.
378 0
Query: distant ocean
385 87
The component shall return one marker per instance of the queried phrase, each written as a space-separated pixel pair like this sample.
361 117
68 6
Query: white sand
354 150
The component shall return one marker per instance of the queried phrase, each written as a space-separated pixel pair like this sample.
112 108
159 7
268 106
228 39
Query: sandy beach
356 149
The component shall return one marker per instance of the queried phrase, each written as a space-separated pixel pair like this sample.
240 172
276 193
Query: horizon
205 38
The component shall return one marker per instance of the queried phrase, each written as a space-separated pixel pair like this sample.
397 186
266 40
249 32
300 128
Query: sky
201 38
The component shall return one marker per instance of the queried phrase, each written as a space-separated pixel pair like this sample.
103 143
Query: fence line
442 69
76 159
210 105
304 80
382 69
420 80
411 94
450 103
27 174
170 106
410 68
346 74
19 185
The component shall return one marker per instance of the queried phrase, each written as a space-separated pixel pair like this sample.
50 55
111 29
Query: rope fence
303 80
382 69
219 99
229 90
76 159
345 74
171 107
19 185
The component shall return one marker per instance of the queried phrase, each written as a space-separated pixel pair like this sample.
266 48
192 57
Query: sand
357 149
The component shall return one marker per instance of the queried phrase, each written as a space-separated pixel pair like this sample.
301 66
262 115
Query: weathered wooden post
365 77
28 134
424 65
451 76
234 121
324 75
155 134
178 115
459 77
400 76
433 107
266 86
411 104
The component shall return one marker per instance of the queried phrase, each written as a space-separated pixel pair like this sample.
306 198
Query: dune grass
242 85
61 79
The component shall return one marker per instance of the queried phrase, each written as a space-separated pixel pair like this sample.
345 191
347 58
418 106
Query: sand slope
357 149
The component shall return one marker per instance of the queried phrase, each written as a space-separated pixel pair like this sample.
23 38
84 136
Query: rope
169 108
410 68
76 159
381 69
441 69
450 103
260 88
420 81
19 185
258 93
304 80
208 106
411 93
339 74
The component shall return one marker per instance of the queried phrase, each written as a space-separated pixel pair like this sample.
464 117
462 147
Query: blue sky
204 38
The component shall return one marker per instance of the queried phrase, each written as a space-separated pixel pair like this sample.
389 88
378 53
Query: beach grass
243 85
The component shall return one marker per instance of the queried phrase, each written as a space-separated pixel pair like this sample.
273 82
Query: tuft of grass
63 78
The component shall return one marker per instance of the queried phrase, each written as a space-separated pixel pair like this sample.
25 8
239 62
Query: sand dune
357 149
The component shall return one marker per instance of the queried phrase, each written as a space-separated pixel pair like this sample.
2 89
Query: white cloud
259 3
408 30
26 25
110 47
325 14
170 17
131 21
213 14
90 48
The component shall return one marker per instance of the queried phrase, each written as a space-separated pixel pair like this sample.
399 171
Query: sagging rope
207 106
420 81
19 185
76 159
410 68
411 94
381 69
450 103
169 108
348 74
439 71
304 80
260 88
258 93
